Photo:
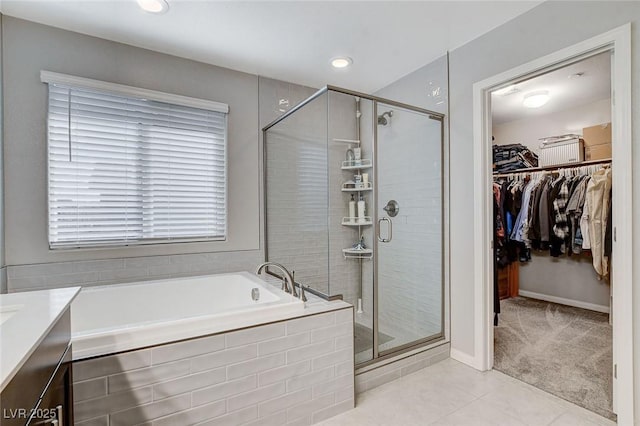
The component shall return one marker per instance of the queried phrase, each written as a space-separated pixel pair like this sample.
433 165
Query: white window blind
128 170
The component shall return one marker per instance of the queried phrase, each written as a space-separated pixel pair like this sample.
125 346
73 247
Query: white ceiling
566 92
287 40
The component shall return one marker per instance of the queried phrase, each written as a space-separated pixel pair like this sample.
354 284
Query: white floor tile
571 418
451 393
528 406
478 414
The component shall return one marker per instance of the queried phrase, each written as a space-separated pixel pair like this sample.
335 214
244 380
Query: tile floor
451 393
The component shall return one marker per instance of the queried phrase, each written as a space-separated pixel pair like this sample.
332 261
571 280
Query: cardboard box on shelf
597 135
597 152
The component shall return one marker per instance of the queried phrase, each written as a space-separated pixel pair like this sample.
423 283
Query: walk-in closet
552 237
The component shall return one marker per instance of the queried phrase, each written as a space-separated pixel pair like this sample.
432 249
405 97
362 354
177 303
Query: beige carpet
563 350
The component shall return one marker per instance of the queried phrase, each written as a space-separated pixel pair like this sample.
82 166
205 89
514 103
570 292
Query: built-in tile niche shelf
365 163
356 221
351 253
351 187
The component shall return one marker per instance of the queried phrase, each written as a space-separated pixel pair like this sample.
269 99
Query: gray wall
512 44
528 131
28 48
426 87
571 278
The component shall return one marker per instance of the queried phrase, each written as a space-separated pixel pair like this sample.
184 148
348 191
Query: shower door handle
390 227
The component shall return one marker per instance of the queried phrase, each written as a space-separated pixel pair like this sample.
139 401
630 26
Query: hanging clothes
564 212
598 194
574 213
498 236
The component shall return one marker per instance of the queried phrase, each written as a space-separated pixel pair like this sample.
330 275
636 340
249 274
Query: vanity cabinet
57 400
40 393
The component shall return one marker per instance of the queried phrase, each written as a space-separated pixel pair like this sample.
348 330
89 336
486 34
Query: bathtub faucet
288 278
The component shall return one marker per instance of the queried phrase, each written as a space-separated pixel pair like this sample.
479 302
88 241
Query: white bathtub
115 318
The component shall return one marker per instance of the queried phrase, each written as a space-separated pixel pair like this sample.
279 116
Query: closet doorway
552 232
616 44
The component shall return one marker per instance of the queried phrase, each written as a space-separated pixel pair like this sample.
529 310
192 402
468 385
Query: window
126 168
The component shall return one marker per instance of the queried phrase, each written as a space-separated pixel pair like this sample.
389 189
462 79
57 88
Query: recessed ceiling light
153 6
341 62
536 99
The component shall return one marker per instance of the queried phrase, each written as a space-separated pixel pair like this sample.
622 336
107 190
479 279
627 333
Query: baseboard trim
465 358
563 301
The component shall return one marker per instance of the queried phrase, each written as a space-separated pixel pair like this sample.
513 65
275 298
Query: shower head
382 120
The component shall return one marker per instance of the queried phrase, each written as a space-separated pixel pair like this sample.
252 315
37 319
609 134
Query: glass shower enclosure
353 188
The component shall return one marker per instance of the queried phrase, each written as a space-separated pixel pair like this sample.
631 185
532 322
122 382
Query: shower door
409 228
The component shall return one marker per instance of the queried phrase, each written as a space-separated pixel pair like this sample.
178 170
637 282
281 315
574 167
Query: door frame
619 41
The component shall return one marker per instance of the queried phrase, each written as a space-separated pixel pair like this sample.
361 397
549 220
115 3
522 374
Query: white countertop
25 320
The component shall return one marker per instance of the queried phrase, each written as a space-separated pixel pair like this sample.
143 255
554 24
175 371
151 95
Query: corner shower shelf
354 221
351 187
355 141
365 163
351 253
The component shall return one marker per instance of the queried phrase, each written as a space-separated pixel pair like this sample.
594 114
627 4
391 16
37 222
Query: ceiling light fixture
153 6
341 62
536 99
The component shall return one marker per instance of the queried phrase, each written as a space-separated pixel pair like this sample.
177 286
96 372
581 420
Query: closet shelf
351 187
554 167
351 253
355 221
365 163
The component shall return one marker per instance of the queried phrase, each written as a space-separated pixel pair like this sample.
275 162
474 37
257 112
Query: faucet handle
285 287
303 296
293 284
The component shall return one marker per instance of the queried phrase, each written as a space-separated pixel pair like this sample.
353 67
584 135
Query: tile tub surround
299 370
116 271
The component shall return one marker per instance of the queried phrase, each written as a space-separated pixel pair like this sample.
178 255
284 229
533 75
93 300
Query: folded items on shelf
513 157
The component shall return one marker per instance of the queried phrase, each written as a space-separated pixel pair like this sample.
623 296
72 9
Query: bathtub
122 317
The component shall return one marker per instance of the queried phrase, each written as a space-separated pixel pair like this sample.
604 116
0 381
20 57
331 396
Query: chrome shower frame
378 355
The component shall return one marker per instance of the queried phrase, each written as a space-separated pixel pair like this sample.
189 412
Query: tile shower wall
410 265
296 189
344 273
292 372
303 174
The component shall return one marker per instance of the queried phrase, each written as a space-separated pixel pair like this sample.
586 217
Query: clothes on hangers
564 212
598 193
574 213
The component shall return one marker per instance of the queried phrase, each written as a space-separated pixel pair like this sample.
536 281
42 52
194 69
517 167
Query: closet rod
554 167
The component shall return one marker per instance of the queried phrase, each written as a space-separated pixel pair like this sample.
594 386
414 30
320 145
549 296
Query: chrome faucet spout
288 278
